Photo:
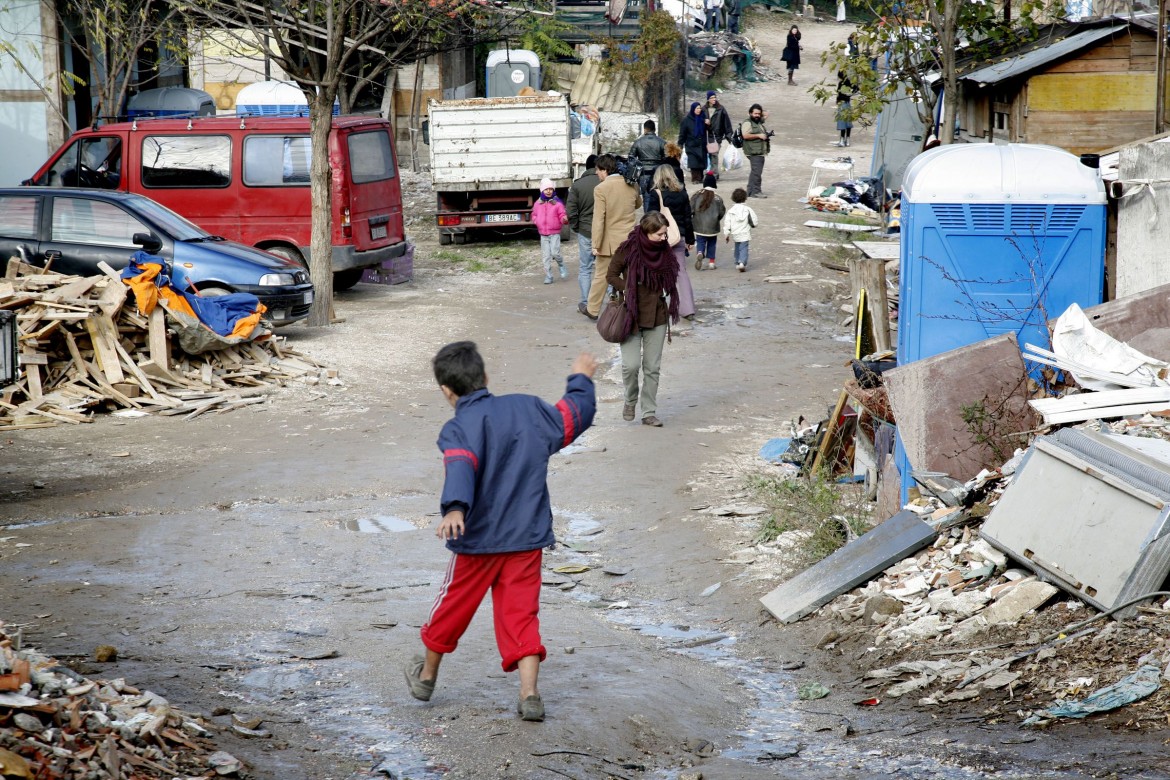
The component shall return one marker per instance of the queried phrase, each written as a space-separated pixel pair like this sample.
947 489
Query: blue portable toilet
275 98
995 239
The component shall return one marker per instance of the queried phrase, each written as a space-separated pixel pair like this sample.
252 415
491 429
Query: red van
247 179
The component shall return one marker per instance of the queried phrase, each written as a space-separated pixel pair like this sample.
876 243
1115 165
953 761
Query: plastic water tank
170 101
274 98
510 70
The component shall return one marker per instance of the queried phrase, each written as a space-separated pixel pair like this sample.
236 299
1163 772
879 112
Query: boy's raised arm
579 403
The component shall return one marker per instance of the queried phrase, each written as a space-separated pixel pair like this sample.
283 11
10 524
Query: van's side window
370 157
184 161
90 162
84 221
273 160
18 217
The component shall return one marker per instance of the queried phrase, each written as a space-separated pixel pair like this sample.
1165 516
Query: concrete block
1019 601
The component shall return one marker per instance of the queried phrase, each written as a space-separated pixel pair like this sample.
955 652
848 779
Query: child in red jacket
548 214
497 517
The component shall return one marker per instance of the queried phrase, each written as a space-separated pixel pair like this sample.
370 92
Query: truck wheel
344 280
460 238
565 234
444 239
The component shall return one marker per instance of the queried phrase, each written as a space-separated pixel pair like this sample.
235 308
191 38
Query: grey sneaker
531 708
419 688
628 412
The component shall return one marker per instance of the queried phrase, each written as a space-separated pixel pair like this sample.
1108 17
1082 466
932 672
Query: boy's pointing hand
585 364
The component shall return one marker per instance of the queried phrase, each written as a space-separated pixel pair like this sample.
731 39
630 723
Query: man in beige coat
614 204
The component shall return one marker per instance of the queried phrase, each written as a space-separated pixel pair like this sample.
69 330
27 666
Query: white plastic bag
732 158
683 161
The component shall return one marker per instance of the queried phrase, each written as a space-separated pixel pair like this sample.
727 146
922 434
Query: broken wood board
988 380
880 250
854 564
785 279
844 227
1101 405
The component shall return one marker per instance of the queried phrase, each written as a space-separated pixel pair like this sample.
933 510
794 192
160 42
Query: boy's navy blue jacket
496 451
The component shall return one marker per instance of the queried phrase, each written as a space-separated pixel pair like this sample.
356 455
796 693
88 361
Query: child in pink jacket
548 214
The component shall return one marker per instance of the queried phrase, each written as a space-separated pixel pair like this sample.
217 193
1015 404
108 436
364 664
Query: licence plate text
377 231
502 218
309 297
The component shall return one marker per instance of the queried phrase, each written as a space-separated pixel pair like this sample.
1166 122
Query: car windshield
179 228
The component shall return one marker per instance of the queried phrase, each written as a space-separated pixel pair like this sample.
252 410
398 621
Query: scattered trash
711 589
1136 686
811 691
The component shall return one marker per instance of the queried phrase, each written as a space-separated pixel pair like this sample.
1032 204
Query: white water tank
274 98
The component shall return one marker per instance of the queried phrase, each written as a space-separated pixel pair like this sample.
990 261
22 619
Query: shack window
370 157
185 161
275 160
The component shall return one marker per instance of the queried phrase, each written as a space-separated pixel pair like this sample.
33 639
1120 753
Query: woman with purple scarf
692 137
645 269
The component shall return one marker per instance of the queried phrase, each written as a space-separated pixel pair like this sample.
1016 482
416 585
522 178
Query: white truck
488 156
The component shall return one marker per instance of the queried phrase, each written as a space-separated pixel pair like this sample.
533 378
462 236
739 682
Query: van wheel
343 280
444 239
460 238
289 253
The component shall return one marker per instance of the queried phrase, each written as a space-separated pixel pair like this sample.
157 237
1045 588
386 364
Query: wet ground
276 562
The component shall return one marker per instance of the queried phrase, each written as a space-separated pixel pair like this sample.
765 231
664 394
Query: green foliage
541 34
653 54
825 514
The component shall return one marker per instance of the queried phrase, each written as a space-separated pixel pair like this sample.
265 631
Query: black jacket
694 143
579 207
680 208
650 149
720 126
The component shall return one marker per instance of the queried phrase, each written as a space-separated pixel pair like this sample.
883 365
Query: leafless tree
331 48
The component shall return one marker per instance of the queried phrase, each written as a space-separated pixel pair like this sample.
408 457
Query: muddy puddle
780 730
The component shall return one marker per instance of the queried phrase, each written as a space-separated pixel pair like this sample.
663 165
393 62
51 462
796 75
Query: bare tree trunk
946 24
321 187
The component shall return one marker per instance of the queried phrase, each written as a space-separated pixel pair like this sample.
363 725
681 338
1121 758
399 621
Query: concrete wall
29 129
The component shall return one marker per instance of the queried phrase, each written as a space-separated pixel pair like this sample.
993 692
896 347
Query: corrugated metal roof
1031 60
587 84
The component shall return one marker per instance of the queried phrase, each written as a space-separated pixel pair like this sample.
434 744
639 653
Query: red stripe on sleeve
468 455
567 415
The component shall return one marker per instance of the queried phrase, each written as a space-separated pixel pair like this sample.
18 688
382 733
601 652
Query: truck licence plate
378 231
502 218
309 297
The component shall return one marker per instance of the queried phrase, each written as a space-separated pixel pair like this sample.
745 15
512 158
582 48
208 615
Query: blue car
71 231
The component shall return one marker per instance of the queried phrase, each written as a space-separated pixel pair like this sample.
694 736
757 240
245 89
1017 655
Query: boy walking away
497 517
707 212
737 227
548 214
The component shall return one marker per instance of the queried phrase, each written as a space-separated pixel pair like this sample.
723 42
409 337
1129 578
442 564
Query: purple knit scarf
649 264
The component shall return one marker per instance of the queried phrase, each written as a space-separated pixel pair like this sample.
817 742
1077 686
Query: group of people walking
644 261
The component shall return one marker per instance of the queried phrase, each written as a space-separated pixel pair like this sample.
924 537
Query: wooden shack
1082 86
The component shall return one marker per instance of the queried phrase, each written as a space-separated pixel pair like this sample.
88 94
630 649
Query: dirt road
277 561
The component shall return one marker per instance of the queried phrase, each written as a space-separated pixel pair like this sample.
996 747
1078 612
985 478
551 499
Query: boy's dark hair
591 161
607 163
649 126
459 367
739 196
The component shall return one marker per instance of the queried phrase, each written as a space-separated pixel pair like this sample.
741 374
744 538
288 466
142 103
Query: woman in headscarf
692 136
645 269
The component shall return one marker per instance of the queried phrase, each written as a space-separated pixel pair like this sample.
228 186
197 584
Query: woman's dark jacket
694 143
791 53
652 310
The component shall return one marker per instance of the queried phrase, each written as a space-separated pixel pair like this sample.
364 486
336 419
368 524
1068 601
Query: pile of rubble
83 348
707 50
57 725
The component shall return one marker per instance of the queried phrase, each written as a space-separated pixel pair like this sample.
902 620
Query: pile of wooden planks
84 348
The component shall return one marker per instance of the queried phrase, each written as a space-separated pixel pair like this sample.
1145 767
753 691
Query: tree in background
652 59
910 45
332 48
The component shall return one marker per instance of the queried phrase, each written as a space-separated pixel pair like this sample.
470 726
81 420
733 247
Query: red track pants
514 579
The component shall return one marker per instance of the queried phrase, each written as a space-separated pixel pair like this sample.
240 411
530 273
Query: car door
86 231
19 226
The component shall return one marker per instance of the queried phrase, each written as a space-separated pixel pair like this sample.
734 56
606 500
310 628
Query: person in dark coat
791 55
668 191
580 212
692 137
